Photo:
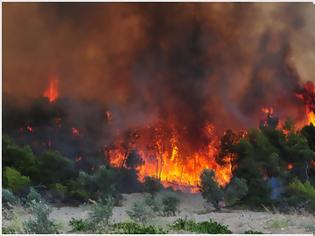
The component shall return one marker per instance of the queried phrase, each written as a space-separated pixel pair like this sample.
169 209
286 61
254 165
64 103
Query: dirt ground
193 206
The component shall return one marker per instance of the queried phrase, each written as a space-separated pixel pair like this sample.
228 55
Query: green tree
209 188
14 180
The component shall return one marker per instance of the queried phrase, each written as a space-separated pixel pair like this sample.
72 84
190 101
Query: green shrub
303 192
98 220
209 188
140 212
40 222
9 198
235 191
33 195
55 168
206 227
15 226
134 228
79 224
152 185
252 232
14 180
170 204
154 203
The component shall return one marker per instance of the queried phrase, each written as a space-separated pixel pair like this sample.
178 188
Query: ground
194 207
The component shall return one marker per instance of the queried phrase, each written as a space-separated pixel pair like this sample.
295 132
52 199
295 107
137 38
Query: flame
52 91
290 166
75 131
267 111
166 158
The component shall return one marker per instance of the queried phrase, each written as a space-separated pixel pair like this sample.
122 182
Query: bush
152 185
235 191
210 189
154 203
55 168
15 226
79 224
40 223
33 196
9 198
133 228
206 227
170 204
14 180
98 220
252 232
303 192
140 212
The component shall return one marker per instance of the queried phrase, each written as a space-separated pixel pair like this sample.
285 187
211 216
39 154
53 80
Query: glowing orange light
52 91
75 131
290 166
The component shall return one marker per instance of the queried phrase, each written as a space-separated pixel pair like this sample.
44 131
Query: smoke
183 63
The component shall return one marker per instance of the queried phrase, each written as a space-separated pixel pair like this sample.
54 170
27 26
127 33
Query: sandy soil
194 207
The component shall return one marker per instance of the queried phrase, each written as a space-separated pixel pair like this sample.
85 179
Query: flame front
52 91
166 158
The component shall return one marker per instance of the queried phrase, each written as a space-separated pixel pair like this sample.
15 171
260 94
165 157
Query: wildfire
52 91
290 166
167 159
75 132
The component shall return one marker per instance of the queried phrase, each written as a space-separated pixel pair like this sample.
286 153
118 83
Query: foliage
78 224
55 168
9 198
14 180
33 195
152 185
40 222
15 226
252 232
303 192
235 191
98 220
140 212
133 159
170 204
101 183
210 189
134 228
278 223
20 158
205 227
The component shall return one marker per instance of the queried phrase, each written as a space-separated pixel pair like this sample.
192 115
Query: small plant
8 198
40 223
278 223
170 204
252 232
15 227
152 185
206 227
33 195
98 220
78 224
134 228
210 189
140 212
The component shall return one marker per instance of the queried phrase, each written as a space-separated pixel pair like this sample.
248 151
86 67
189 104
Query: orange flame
168 161
52 91
290 166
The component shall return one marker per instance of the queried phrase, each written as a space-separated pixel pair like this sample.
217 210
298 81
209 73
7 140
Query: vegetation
252 232
152 185
14 180
33 196
78 225
206 227
8 198
40 222
140 212
170 204
134 228
302 192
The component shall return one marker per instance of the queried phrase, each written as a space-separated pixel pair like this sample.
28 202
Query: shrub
154 203
14 180
206 227
235 191
55 168
9 198
33 195
252 232
210 189
79 224
15 226
98 220
40 222
303 192
152 185
170 204
140 212
134 228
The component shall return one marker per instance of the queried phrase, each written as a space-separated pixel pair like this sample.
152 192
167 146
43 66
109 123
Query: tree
55 168
14 180
209 188
235 190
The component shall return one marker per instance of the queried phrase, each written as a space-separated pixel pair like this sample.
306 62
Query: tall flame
52 91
